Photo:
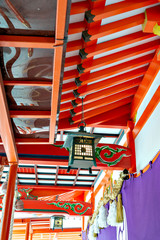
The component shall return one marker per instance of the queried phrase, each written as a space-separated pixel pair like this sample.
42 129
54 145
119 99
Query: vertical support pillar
131 145
31 236
92 199
27 231
83 221
9 202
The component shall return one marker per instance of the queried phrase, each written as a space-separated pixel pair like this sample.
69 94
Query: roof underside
101 56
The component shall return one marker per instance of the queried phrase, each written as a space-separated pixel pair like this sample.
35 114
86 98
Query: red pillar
31 236
27 231
9 202
131 145
92 199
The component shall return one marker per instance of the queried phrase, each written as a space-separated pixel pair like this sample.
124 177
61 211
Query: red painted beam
119 56
118 69
45 231
22 82
47 206
64 124
110 115
104 84
105 108
96 49
115 9
146 83
102 97
9 202
101 101
6 131
29 114
120 123
106 100
101 31
79 7
147 112
74 45
27 41
76 27
109 82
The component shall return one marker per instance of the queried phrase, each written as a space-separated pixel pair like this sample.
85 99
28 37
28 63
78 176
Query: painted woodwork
107 155
71 208
152 20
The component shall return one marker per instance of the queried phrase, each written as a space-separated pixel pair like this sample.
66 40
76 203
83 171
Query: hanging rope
82 123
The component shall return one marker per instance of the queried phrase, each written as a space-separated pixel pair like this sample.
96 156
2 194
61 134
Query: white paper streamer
102 220
91 233
111 220
96 225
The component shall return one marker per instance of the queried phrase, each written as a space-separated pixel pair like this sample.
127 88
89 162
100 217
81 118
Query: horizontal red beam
119 56
27 41
44 231
117 122
105 92
35 153
22 82
96 49
105 97
110 115
105 83
79 7
105 108
85 209
115 9
101 31
106 100
74 45
29 114
108 72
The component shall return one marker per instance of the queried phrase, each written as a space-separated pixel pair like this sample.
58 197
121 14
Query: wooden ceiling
54 54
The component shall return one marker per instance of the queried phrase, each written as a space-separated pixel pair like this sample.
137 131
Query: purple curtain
108 233
141 199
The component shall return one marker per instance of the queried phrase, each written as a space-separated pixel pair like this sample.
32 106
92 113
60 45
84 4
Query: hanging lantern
56 222
81 147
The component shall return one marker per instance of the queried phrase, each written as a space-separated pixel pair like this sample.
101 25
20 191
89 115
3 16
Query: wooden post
92 199
27 231
9 202
131 145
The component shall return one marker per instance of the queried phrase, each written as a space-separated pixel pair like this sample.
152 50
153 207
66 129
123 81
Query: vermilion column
9 202
131 145
27 231
92 199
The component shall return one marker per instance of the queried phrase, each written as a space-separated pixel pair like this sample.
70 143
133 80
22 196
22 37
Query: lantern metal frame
54 224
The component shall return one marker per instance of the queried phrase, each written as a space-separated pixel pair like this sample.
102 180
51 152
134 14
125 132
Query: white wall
147 143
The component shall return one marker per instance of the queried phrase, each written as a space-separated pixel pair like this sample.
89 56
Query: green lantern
56 222
81 147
